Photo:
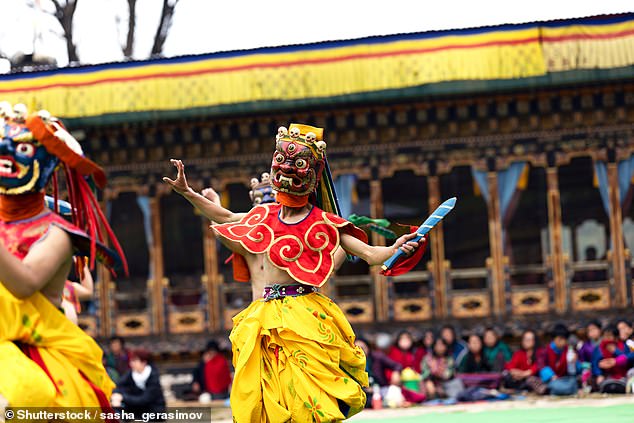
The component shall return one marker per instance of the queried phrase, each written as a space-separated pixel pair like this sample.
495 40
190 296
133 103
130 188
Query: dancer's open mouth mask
25 164
298 162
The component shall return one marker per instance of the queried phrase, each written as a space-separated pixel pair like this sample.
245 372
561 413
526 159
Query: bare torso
263 272
54 288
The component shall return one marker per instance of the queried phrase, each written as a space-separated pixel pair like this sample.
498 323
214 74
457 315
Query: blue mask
25 165
261 191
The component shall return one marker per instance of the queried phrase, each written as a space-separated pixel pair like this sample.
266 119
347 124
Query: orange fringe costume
46 359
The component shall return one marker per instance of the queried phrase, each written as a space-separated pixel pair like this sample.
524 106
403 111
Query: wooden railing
410 297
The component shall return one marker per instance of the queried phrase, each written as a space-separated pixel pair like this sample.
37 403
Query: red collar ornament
305 250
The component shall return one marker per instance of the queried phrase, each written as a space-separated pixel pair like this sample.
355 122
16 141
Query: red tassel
86 213
88 216
405 265
112 237
55 192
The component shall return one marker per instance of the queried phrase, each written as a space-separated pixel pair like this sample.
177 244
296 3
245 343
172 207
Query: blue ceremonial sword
427 225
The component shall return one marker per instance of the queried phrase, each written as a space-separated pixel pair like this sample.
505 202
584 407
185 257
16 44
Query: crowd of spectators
444 366
438 366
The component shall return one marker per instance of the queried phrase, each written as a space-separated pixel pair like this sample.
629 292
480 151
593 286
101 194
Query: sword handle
429 223
389 263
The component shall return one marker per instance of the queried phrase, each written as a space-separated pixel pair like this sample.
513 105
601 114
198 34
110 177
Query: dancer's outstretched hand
180 183
406 245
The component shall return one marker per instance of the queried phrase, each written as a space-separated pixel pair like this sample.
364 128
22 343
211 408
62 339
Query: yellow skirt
295 360
66 350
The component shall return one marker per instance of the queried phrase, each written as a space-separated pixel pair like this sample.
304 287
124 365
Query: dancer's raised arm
210 194
209 209
377 255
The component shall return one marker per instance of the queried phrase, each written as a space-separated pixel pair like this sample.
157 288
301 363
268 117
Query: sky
204 26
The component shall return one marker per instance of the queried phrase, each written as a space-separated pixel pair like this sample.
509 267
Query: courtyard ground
594 409
542 410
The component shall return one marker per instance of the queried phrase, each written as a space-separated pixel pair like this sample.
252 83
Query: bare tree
65 11
64 14
165 23
128 48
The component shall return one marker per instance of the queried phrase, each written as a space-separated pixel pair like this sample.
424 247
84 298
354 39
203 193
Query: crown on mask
19 114
310 136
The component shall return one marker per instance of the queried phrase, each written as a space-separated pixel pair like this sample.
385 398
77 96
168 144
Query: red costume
305 250
19 236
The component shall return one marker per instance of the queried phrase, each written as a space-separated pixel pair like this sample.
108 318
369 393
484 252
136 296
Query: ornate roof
397 66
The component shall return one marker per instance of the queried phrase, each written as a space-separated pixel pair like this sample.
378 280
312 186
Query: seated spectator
116 359
405 353
139 390
212 375
376 365
383 342
585 350
558 365
474 361
609 362
626 335
428 340
475 370
521 371
437 370
496 352
457 347
625 329
593 337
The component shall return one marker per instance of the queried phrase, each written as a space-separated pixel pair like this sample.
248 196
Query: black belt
277 291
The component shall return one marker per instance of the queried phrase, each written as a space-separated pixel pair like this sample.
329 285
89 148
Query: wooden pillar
437 244
212 276
555 239
616 235
106 292
380 281
104 314
495 242
158 271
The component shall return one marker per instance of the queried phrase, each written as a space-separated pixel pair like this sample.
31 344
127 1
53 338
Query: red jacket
217 375
555 360
619 371
411 359
521 361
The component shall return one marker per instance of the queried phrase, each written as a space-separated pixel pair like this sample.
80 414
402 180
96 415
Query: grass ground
533 410
540 415
595 410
